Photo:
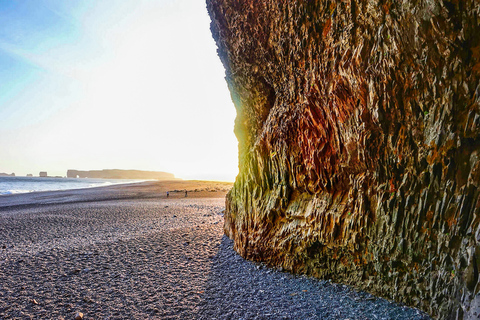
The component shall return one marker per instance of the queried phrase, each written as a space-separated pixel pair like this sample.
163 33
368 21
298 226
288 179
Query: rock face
359 143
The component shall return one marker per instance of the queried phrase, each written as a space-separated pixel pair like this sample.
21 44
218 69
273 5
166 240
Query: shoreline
96 183
135 190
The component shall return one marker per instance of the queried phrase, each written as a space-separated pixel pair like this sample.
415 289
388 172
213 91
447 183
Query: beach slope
129 252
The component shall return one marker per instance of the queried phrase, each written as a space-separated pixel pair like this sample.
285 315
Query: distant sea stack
120 174
359 143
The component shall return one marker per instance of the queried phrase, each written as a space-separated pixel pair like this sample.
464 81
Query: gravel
240 289
152 258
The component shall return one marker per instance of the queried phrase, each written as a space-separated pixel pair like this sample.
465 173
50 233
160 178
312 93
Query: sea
13 185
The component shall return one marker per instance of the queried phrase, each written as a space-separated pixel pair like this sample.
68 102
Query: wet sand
129 252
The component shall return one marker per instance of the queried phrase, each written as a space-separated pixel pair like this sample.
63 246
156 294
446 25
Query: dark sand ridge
127 252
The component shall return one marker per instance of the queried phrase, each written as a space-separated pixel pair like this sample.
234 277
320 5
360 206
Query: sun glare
143 90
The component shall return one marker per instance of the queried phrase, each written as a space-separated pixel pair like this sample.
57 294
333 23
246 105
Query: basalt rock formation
359 143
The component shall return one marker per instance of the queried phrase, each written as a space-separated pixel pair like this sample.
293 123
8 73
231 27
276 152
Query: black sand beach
128 252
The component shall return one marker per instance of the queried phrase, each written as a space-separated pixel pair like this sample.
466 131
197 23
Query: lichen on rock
359 143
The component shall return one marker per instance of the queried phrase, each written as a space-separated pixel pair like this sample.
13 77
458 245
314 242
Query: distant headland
120 174
3 174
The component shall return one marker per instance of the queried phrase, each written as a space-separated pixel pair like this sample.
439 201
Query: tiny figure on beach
168 194
186 193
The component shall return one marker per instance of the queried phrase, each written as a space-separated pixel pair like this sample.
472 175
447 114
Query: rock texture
359 143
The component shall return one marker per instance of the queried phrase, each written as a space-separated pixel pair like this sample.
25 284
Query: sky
113 84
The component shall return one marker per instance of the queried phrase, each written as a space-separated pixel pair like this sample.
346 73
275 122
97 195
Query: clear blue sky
128 84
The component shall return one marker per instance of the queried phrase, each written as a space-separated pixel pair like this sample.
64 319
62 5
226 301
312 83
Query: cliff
3 174
359 137
120 174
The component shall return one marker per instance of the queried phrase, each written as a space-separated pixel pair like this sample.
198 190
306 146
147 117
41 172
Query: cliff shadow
241 289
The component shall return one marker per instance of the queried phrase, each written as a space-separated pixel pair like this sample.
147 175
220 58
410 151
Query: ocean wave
14 185
102 184
14 191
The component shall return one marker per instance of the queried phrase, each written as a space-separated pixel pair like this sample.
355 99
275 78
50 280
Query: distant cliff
120 174
359 143
3 174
